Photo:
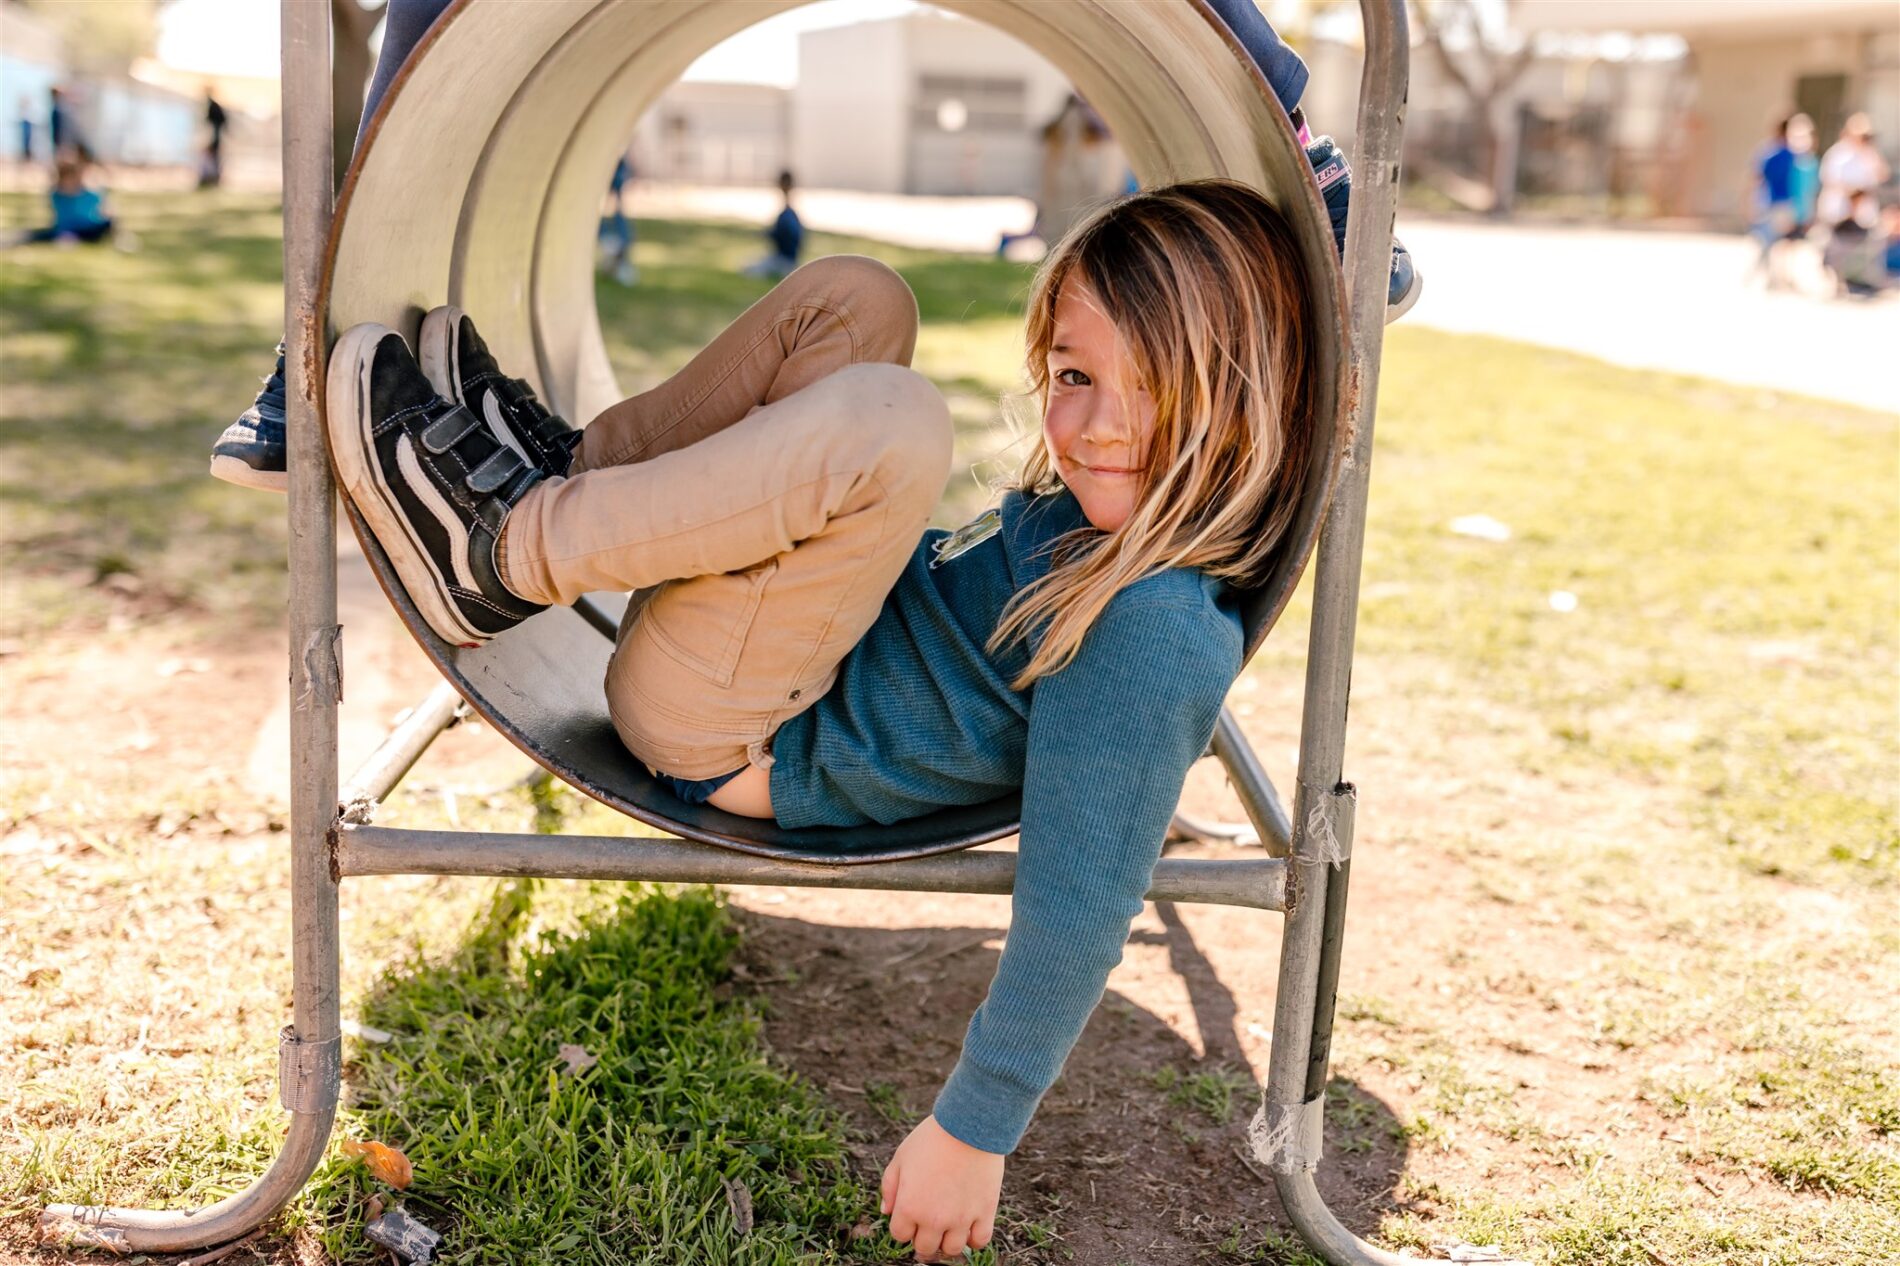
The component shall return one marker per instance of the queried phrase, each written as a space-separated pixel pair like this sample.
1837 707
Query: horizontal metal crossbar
1257 883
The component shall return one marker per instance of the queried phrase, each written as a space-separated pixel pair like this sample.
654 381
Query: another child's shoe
250 453
432 481
460 368
1334 175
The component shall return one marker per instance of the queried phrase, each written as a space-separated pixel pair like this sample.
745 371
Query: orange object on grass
384 1162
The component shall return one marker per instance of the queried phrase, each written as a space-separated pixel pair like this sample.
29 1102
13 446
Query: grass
1714 835
628 1160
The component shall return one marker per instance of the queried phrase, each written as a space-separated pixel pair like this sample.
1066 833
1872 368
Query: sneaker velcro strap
501 465
448 430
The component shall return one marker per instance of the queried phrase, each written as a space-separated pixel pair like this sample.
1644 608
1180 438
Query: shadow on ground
1137 1155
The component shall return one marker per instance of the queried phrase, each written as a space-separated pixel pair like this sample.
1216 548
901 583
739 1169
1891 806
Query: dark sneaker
250 453
1335 185
460 368
433 482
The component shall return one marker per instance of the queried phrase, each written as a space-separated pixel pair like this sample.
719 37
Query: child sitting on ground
787 234
78 209
810 653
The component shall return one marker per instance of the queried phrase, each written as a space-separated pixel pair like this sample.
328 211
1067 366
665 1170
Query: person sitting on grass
787 232
813 655
78 209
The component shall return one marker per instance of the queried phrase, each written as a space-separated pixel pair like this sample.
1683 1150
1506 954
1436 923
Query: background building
1752 62
925 103
715 134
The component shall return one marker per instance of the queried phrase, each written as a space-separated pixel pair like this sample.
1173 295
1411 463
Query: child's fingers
903 1227
887 1189
955 1240
929 1240
980 1232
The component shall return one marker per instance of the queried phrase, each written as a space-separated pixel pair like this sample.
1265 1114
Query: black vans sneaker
460 368
433 482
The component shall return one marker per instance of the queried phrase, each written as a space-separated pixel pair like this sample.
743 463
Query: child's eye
1082 379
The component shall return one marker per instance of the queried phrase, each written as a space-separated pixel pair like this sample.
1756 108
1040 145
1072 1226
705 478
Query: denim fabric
697 792
404 26
1285 72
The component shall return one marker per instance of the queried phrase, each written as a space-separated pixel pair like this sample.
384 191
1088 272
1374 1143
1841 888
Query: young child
814 655
251 452
78 209
787 235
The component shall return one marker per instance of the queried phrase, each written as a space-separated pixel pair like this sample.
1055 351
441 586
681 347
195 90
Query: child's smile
1098 420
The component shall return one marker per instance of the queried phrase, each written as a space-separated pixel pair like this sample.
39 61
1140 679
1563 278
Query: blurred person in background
1857 247
1805 185
26 129
1890 228
1850 166
1773 213
788 237
60 132
211 173
79 213
616 230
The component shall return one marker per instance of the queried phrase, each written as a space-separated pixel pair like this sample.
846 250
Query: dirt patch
1477 1049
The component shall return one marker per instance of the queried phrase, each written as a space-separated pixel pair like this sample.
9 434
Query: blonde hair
1204 283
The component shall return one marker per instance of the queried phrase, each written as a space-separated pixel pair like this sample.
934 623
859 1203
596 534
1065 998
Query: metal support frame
1305 874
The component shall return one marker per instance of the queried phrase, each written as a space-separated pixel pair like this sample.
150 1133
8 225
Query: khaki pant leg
773 543
836 311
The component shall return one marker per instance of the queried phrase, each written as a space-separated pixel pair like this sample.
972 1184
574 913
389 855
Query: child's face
1098 420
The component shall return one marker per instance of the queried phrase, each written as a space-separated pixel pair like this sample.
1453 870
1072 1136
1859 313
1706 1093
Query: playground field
1622 983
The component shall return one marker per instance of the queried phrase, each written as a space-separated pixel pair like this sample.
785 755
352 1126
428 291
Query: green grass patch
633 1159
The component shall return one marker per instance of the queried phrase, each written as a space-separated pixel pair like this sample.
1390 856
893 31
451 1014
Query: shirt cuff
988 1113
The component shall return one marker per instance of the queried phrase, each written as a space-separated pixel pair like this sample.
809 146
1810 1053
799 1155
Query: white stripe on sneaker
425 492
491 413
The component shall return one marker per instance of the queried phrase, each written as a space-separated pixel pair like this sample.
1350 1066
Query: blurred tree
1480 53
352 24
102 37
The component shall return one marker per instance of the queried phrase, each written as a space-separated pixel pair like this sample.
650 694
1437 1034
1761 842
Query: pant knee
903 415
879 302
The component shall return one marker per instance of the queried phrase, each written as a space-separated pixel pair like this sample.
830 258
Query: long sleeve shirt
923 716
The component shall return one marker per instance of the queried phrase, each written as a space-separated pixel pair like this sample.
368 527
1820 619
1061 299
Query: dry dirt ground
1138 1154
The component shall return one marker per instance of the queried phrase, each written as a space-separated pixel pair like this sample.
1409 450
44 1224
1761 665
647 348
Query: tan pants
772 490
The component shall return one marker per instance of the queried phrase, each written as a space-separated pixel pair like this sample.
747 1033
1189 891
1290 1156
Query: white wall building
925 103
715 134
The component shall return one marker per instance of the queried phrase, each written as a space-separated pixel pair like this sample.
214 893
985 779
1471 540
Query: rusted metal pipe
1287 1133
308 1069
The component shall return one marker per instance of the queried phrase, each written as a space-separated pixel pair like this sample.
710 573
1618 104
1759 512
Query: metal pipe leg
1287 1133
1257 792
386 766
309 1050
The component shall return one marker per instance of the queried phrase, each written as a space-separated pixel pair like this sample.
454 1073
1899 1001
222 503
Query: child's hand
941 1193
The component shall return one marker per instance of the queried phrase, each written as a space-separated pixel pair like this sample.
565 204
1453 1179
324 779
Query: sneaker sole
350 425
1406 301
234 471
435 349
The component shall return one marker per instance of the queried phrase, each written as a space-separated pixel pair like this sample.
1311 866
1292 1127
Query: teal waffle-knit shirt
921 716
